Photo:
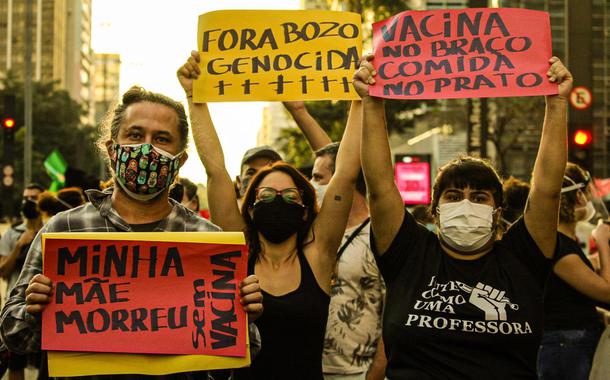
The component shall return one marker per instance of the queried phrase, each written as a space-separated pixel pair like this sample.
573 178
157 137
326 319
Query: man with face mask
145 139
253 160
14 246
15 243
357 293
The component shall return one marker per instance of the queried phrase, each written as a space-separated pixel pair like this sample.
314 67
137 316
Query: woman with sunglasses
292 246
571 326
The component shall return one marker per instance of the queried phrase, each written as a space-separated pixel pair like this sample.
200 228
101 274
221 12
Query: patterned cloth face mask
143 170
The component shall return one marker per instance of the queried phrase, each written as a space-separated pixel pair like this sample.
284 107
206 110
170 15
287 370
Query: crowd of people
344 282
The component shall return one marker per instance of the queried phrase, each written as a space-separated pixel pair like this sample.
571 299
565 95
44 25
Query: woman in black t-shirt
571 325
463 304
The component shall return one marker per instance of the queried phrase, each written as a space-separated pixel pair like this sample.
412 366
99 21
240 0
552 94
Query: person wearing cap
253 160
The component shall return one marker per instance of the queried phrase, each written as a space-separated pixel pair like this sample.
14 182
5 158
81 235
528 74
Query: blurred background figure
50 204
190 199
422 215
572 327
516 192
190 195
14 247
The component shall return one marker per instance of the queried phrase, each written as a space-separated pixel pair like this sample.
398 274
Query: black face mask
28 209
278 220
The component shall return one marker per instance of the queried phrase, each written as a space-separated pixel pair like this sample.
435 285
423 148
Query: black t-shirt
566 308
456 319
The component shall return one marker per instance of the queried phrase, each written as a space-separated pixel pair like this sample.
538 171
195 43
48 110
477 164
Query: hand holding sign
559 74
364 76
38 294
188 72
251 297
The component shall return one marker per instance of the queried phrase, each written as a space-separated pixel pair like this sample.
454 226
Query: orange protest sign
144 293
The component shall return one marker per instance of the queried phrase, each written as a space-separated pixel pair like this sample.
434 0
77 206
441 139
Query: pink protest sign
466 53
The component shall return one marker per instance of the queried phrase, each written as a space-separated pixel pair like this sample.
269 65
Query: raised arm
542 209
316 136
332 219
385 203
222 200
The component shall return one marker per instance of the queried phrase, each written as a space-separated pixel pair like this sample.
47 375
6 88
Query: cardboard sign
170 293
466 53
249 55
68 364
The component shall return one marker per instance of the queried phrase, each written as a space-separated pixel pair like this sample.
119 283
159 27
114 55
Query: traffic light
581 147
8 169
8 122
582 138
8 126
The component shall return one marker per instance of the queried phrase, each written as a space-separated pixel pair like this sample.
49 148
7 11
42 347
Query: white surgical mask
320 191
590 211
465 226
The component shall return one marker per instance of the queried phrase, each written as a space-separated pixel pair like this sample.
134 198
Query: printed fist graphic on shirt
490 300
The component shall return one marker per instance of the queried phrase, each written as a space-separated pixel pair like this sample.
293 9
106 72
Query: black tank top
292 330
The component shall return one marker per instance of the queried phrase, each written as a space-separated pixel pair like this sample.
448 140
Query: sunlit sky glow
154 37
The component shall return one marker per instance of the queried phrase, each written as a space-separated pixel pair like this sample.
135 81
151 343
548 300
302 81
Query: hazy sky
154 37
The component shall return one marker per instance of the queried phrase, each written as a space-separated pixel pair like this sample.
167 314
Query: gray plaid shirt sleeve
20 330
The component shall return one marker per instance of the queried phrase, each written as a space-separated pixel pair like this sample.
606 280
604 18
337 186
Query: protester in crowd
14 246
422 215
190 199
357 292
144 127
516 192
292 246
571 325
253 160
50 204
16 241
463 304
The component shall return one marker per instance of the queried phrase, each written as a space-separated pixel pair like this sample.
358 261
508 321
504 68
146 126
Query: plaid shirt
21 330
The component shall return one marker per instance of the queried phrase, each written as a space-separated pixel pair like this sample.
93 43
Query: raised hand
189 71
363 77
559 74
296 105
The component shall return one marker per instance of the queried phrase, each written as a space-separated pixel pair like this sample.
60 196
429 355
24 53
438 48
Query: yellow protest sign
90 327
68 364
249 55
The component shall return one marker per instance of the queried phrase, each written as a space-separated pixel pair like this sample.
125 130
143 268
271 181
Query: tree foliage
56 123
517 119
